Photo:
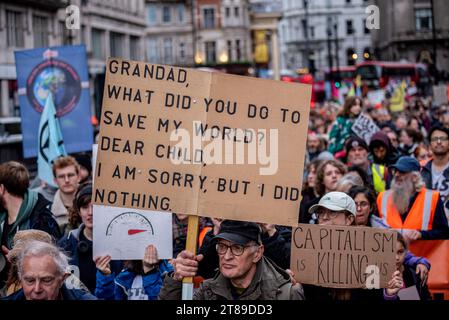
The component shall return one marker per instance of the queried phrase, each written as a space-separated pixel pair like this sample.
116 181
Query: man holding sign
245 274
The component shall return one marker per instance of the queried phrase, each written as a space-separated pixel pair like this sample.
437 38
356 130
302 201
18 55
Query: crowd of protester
399 179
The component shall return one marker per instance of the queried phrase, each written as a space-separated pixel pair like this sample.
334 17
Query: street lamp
434 41
337 62
306 33
329 44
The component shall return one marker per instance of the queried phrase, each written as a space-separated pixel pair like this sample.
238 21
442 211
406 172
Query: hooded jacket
112 287
392 155
38 216
269 283
70 245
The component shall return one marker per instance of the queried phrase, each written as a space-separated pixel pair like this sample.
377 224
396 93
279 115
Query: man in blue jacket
42 270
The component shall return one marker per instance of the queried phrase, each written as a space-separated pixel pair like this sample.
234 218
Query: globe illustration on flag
58 78
50 80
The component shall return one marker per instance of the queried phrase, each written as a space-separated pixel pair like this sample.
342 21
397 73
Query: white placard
124 233
365 128
411 91
410 293
440 94
376 97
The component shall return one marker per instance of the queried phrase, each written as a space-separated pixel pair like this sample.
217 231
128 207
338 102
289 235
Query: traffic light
337 84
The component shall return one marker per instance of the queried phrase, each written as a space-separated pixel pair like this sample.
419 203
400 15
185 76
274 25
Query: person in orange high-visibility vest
408 206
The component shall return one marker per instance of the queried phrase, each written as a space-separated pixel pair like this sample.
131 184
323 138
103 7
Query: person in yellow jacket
411 208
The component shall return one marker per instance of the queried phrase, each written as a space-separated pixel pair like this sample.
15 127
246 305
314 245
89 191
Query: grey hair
348 181
39 249
419 183
253 246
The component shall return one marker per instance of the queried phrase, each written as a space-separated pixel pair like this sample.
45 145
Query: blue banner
61 71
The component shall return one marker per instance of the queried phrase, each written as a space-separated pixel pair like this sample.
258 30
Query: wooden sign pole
191 243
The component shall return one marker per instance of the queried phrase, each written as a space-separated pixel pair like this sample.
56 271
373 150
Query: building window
236 12
423 19
228 12
304 28
229 42
209 18
182 50
134 48
181 13
116 44
14 29
152 54
40 31
238 50
349 27
312 32
97 44
166 17
168 51
151 14
366 30
210 52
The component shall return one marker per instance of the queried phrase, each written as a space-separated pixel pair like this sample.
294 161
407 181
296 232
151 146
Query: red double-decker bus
343 74
377 74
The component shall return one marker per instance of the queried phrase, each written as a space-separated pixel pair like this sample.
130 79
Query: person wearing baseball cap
244 272
410 207
335 208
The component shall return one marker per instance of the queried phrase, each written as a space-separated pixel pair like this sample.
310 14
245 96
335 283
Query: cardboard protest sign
343 256
209 144
129 231
365 127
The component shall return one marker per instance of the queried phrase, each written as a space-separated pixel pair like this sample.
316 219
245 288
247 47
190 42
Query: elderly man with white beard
411 208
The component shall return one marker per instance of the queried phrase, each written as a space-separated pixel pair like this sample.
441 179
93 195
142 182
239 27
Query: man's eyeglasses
436 139
236 249
68 175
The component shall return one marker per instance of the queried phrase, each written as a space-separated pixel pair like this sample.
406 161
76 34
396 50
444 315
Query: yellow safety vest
378 177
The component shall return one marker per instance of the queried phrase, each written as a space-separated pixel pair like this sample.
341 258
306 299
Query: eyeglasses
236 249
68 175
436 139
362 204
321 213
